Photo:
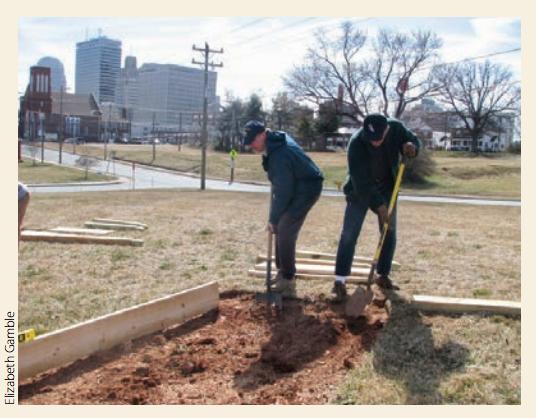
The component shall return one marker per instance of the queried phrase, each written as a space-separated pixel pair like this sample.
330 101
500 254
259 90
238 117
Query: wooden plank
99 225
461 305
46 236
325 256
319 269
118 221
61 347
83 231
301 276
262 257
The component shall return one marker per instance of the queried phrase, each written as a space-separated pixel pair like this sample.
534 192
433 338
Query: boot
386 283
286 287
339 289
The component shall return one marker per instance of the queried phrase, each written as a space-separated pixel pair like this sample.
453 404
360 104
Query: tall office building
57 73
98 66
126 94
173 94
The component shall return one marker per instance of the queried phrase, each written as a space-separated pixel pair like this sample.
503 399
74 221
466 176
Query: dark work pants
288 229
353 221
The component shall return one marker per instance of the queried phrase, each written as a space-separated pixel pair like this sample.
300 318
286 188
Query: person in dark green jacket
296 186
373 157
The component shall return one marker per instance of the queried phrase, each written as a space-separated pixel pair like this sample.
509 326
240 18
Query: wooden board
319 269
301 276
29 235
460 305
118 221
61 347
100 225
325 256
82 231
262 257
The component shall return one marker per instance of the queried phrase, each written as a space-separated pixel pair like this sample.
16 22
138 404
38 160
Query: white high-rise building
173 95
98 66
57 73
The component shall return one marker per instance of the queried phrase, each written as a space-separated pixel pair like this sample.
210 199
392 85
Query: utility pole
154 145
42 131
233 129
60 131
107 136
180 133
204 138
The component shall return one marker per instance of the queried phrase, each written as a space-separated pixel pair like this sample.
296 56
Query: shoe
339 289
386 283
286 287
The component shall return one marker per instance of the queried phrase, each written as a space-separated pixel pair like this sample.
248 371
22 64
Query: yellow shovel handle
392 203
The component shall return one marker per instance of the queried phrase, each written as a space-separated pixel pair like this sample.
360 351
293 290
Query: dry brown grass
31 173
195 237
497 175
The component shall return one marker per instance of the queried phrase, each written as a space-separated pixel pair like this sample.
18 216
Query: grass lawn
31 173
448 250
492 175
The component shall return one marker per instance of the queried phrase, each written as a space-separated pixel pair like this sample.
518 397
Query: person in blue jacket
374 153
296 186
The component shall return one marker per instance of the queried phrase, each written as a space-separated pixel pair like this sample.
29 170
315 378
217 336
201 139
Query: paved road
147 178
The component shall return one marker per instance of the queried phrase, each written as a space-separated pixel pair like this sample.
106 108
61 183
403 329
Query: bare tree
330 64
401 68
478 93
397 72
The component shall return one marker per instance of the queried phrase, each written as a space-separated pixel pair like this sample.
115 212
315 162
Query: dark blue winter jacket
296 179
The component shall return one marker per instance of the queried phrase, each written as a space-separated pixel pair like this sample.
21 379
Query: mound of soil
241 353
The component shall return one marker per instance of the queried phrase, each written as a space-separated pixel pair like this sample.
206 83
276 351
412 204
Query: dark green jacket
360 185
295 178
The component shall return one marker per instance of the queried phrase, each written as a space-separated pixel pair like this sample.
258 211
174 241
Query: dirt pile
239 354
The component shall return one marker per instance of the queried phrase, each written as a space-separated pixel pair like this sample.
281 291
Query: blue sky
258 50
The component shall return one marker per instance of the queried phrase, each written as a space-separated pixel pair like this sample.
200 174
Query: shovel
359 300
270 298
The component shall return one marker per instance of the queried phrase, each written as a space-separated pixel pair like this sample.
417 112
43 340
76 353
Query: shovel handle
269 258
392 204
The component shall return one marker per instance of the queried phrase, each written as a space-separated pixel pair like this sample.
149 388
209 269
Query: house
73 116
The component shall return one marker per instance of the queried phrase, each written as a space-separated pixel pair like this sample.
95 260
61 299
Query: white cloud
258 50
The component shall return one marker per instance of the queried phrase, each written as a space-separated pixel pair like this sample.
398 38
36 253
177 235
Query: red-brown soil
239 354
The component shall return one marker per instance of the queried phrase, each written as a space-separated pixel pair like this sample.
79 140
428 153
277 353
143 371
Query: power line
491 54
332 25
293 24
245 25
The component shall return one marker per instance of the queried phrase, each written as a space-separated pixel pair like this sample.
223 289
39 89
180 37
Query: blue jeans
353 221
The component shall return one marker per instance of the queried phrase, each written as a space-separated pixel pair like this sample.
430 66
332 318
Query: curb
88 183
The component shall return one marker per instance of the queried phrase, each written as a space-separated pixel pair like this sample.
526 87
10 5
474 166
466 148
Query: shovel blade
271 298
358 301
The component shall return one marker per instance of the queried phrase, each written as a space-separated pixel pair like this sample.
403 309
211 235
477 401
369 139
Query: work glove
409 150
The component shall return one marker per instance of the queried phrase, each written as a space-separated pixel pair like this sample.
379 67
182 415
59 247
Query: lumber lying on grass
82 231
69 344
461 305
100 225
325 256
118 221
302 276
29 235
319 269
261 258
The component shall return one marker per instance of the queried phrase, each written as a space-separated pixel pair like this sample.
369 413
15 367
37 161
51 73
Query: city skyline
258 51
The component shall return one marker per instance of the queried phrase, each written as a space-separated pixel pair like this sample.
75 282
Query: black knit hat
252 129
373 126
